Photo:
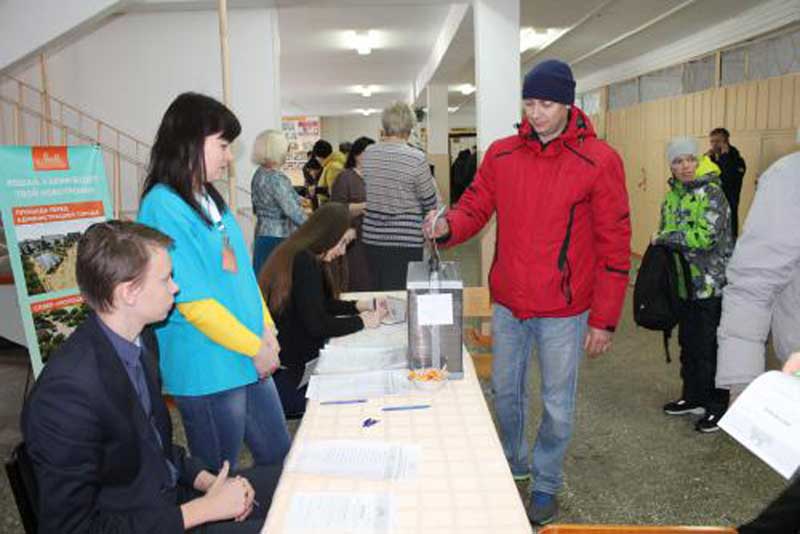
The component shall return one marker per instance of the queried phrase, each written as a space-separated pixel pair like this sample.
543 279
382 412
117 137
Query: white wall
128 71
27 27
350 127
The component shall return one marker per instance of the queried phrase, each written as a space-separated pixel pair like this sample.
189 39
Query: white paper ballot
329 513
395 335
373 460
765 418
435 309
349 386
334 360
311 366
397 310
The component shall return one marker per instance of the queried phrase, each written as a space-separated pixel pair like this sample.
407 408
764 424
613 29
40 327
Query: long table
464 483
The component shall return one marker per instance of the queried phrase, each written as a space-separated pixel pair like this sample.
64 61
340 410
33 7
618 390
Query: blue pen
404 408
351 401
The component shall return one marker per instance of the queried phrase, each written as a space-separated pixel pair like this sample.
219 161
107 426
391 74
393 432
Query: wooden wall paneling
689 113
730 108
706 124
738 120
774 103
787 102
697 108
749 146
762 104
796 106
678 114
751 91
718 99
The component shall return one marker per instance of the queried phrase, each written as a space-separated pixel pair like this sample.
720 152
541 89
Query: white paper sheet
372 460
395 335
367 385
765 418
311 366
397 310
435 309
334 360
351 513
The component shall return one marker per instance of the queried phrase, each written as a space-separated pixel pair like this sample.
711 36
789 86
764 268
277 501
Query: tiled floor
628 463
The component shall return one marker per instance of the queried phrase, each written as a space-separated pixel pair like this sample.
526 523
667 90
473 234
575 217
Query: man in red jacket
560 269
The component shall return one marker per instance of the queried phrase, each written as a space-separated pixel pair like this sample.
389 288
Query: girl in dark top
303 298
349 188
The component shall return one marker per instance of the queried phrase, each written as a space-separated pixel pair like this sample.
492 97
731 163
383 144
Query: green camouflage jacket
695 220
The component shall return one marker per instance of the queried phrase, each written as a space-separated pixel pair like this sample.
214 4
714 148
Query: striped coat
400 191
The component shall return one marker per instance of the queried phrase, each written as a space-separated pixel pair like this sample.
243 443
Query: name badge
228 257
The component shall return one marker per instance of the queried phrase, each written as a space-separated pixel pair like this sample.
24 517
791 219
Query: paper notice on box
766 419
352 513
435 309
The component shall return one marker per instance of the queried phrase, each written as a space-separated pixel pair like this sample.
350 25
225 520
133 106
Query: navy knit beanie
550 80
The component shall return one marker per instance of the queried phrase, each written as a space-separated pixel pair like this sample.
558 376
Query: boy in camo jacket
695 221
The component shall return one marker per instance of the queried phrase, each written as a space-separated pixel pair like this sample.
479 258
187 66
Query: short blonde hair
398 119
270 146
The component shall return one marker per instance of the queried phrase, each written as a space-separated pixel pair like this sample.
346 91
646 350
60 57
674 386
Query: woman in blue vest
218 348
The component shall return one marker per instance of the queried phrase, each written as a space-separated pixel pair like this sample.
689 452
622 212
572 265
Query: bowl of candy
428 378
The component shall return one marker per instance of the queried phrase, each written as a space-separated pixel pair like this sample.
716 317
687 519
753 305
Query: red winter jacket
563 223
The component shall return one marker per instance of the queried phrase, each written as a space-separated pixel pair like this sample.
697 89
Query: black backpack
662 285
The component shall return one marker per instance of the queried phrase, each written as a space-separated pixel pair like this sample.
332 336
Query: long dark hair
178 158
321 232
359 145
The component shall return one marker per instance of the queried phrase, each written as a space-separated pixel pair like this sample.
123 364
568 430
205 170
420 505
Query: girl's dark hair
359 145
177 158
321 232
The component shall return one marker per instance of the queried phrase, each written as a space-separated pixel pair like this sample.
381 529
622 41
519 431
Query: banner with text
49 195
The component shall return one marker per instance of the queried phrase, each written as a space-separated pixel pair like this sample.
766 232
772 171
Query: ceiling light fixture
367 112
362 42
467 89
531 38
366 90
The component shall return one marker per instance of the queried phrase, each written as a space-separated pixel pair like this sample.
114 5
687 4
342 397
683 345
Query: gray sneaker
542 508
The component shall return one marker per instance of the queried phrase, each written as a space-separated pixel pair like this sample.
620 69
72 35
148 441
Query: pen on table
406 407
351 401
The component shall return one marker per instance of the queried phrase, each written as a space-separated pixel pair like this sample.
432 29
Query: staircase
30 116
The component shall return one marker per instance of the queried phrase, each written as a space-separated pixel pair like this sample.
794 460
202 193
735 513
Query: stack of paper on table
327 512
368 385
384 336
765 418
371 460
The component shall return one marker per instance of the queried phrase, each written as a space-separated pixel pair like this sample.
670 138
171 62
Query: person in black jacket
302 297
95 425
732 167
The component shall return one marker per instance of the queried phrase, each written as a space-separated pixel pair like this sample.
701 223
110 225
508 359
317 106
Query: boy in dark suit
95 425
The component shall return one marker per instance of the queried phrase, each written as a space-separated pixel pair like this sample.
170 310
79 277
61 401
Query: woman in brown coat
349 189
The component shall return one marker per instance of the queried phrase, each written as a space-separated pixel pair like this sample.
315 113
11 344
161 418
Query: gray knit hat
680 146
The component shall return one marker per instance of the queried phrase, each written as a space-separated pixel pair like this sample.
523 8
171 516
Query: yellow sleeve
268 320
216 322
706 166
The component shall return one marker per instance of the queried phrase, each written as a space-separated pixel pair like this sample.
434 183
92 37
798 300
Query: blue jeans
559 346
262 248
216 424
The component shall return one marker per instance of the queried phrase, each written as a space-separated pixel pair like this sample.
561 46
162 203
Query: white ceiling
318 72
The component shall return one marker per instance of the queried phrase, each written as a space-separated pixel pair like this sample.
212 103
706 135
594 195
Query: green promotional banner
49 195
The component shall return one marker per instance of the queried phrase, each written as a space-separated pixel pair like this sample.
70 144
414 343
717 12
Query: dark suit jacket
782 516
97 463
